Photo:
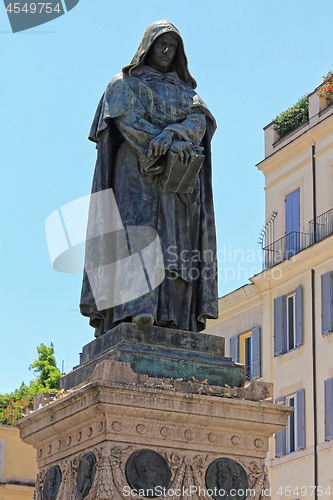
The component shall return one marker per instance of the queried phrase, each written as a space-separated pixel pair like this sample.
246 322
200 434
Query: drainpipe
314 203
314 384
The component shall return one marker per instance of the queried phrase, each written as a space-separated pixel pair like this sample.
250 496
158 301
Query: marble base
113 418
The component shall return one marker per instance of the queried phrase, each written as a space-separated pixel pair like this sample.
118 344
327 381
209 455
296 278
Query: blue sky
251 60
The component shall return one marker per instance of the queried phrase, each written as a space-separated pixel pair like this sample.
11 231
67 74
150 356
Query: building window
291 321
246 349
291 428
288 328
292 438
247 353
328 393
326 303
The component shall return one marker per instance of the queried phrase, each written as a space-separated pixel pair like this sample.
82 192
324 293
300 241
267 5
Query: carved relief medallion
86 474
52 483
226 480
146 470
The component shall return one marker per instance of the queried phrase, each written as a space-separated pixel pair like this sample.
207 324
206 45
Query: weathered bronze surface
86 474
227 479
146 470
148 110
52 483
159 352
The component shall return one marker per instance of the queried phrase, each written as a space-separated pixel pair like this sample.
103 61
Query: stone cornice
131 402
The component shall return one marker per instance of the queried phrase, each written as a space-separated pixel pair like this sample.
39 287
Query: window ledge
289 355
328 336
291 457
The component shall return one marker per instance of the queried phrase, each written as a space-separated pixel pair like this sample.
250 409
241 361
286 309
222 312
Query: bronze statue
226 480
147 470
52 483
148 113
86 474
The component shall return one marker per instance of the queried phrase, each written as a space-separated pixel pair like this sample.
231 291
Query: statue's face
224 479
52 480
86 470
162 52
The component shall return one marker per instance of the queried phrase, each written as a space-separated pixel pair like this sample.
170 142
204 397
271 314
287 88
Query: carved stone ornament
258 480
38 491
146 470
52 483
227 480
110 482
68 487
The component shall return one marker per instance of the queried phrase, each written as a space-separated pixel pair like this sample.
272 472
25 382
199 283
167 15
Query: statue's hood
179 63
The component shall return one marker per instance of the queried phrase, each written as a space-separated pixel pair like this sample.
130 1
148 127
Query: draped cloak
138 105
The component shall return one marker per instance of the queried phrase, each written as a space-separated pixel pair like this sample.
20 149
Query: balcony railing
285 247
321 227
295 242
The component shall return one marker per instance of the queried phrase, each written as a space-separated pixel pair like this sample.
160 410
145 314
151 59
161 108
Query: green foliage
292 117
12 405
46 367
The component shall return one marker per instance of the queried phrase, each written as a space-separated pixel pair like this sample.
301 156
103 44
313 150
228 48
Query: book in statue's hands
181 177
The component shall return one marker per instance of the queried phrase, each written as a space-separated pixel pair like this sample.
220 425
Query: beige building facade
18 466
281 324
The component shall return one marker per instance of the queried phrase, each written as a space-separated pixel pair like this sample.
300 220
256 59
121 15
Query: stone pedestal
160 352
117 412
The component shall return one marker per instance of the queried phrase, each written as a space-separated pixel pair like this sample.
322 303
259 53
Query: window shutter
300 420
278 325
299 324
289 213
293 211
326 303
234 348
328 385
292 222
280 438
296 210
256 353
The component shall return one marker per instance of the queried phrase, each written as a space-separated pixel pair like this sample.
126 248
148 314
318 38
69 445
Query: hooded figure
147 110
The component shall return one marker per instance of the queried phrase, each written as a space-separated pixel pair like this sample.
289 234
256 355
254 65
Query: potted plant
326 89
293 117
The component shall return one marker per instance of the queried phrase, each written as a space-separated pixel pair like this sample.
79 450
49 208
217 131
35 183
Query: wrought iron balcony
285 248
321 227
295 242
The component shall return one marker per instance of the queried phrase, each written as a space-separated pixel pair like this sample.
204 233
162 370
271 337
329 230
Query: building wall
290 167
287 166
246 305
18 467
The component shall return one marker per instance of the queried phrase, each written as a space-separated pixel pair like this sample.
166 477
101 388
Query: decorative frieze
174 433
106 473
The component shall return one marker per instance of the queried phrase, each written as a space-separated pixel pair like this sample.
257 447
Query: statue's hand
184 150
160 144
